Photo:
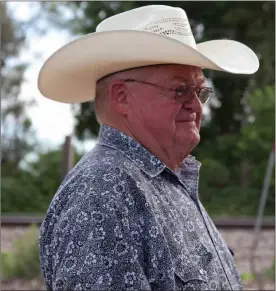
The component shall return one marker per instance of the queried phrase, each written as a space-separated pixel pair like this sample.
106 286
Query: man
128 216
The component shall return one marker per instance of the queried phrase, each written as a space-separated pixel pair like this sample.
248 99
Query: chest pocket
190 277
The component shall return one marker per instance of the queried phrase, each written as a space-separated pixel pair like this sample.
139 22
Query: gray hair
100 103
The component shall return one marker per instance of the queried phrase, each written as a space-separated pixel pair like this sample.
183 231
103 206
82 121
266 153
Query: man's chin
195 140
189 139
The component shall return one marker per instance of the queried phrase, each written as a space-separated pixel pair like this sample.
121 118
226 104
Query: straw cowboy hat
154 34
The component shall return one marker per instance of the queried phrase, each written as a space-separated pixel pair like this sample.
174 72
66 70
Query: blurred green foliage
247 277
251 23
32 189
235 143
220 189
270 272
23 260
17 134
225 186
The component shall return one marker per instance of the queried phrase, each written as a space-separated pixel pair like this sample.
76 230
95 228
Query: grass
23 262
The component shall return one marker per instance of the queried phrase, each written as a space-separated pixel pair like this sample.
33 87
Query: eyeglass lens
185 94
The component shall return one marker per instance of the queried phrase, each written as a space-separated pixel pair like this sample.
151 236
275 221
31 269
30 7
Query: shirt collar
189 175
147 162
139 155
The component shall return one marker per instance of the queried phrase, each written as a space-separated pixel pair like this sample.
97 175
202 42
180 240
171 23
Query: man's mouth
189 118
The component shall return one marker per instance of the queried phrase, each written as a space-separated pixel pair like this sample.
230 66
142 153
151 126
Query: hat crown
158 19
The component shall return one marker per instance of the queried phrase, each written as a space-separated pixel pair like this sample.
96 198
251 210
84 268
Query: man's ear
118 96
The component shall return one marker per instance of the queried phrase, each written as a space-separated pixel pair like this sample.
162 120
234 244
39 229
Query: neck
172 156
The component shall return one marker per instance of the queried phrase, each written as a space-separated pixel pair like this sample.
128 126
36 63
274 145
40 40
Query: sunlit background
52 121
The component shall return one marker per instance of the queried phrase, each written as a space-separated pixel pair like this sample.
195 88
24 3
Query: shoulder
104 176
101 190
98 162
102 168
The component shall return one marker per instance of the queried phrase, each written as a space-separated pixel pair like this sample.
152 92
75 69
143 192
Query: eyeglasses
183 93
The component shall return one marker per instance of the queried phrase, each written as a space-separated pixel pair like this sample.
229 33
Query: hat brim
71 73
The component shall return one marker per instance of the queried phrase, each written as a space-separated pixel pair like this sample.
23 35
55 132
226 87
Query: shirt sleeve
98 245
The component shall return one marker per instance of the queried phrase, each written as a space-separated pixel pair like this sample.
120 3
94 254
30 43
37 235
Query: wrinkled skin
152 116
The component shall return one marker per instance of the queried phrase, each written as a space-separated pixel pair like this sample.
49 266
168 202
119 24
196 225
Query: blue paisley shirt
122 220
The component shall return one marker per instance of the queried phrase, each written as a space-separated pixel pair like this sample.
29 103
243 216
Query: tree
250 23
221 181
16 131
33 188
85 16
232 145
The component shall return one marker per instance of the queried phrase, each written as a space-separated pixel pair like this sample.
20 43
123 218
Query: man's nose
194 104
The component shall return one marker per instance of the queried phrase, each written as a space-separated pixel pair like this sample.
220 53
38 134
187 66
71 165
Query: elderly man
128 216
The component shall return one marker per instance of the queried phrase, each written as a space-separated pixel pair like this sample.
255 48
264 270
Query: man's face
154 110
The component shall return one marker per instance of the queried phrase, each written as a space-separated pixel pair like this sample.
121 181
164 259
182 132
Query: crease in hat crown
158 19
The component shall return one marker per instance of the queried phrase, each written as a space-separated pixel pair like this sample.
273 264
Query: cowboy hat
154 34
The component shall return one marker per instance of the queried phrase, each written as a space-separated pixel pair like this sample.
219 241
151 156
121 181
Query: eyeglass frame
197 90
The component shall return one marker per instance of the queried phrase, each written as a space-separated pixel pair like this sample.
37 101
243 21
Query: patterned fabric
122 220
